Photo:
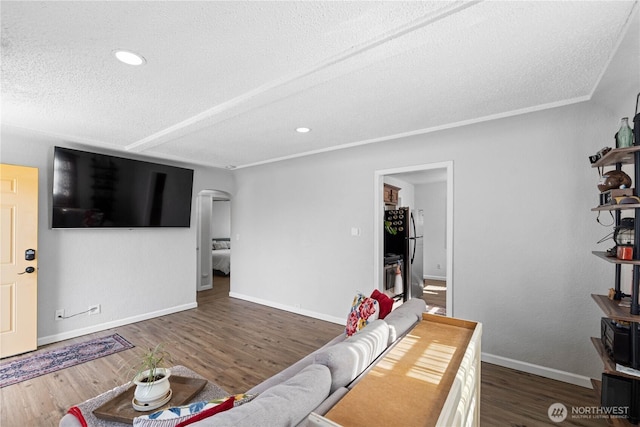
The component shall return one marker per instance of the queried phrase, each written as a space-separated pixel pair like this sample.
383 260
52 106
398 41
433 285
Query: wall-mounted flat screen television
98 190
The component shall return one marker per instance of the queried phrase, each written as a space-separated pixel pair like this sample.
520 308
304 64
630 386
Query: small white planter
149 393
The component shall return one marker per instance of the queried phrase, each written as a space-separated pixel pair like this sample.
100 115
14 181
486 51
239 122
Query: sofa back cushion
404 317
347 359
285 404
290 371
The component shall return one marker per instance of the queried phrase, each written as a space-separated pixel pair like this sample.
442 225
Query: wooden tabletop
409 386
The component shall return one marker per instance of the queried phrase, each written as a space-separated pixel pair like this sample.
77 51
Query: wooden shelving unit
621 156
609 365
615 207
615 260
615 309
621 309
618 157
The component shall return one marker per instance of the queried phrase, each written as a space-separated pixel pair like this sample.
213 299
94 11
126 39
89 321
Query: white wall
523 230
432 199
205 264
132 274
221 219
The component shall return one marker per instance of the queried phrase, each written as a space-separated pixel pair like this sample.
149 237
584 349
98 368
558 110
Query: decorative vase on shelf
624 137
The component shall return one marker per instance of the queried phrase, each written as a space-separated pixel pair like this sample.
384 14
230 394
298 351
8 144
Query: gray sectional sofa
318 381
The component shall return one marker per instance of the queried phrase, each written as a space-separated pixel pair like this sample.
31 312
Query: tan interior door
19 275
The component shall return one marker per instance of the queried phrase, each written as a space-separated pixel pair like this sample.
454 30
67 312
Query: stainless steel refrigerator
403 237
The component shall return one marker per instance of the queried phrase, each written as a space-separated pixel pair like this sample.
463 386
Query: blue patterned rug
45 362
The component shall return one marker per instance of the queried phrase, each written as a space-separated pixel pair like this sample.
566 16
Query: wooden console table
431 377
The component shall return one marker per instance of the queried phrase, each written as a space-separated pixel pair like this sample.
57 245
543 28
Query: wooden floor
435 295
237 344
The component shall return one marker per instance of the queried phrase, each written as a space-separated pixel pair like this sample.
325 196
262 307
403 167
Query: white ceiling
226 83
421 177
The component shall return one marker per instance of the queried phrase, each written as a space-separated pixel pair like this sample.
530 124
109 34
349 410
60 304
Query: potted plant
151 378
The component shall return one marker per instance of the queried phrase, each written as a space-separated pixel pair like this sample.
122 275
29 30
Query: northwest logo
557 412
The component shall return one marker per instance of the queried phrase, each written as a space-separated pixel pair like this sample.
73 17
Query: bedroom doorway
213 209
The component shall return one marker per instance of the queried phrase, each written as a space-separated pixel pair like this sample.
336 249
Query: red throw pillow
226 405
386 303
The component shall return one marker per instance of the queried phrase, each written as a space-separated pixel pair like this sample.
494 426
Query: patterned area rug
45 362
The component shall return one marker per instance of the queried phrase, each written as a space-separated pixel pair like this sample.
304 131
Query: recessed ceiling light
303 130
129 57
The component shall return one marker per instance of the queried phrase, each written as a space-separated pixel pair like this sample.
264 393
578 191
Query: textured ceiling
226 83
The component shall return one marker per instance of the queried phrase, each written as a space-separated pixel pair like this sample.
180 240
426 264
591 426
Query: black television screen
98 190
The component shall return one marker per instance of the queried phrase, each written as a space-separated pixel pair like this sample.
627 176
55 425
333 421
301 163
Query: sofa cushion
404 317
414 305
285 404
364 310
282 376
347 359
399 323
290 371
331 401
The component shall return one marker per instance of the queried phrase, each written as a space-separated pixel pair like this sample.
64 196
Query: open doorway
426 191
214 231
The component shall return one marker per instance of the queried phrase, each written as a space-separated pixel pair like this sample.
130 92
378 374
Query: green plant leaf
149 360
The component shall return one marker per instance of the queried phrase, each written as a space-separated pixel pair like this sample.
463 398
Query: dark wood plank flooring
435 295
238 344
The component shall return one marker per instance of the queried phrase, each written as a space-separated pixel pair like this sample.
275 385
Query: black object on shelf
617 339
621 395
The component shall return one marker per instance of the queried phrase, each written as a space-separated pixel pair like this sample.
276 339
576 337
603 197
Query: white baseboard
530 368
297 310
430 277
113 324
542 371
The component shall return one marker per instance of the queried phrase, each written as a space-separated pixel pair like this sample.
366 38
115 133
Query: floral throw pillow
187 414
364 310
